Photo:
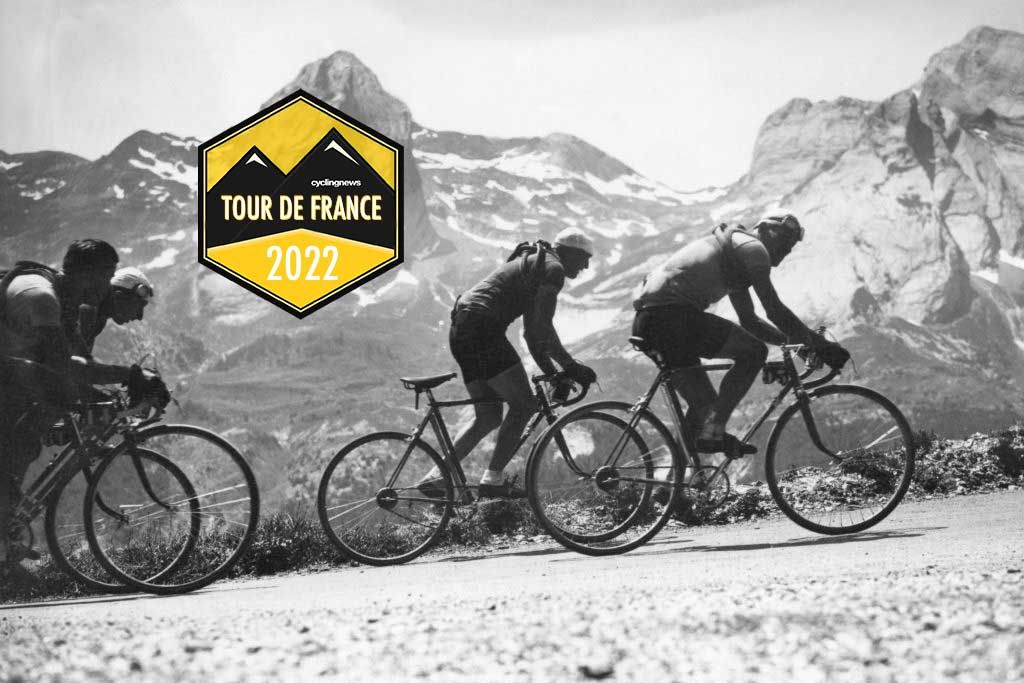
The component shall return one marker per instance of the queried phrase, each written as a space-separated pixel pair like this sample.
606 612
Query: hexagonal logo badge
300 204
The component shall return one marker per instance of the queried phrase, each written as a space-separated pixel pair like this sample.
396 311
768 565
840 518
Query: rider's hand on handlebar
834 355
581 374
145 384
563 388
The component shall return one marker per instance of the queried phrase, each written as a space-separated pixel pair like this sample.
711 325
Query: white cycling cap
134 280
575 239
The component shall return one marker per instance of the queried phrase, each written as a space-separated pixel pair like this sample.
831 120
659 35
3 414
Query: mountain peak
579 155
344 58
344 82
984 71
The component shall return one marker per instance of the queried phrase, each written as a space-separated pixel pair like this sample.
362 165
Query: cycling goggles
141 290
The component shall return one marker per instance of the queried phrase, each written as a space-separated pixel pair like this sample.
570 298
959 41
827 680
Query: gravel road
935 592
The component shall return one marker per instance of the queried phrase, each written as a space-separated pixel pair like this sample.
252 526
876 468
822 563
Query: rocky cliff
914 253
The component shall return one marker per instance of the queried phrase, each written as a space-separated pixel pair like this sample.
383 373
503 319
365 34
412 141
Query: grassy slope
977 464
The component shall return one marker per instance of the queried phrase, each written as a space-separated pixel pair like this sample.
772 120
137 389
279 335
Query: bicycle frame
792 381
74 458
435 420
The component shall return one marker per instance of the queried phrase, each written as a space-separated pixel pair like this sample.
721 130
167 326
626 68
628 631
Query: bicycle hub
387 498
606 478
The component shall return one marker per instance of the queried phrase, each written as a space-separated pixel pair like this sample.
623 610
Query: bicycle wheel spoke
630 477
863 483
365 485
185 526
348 507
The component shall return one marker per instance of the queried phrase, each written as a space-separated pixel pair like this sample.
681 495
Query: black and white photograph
665 340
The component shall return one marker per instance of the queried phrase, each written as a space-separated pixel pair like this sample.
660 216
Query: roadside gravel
935 593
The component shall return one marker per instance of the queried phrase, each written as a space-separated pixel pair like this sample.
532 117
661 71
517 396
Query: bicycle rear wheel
216 523
858 471
385 498
65 528
603 479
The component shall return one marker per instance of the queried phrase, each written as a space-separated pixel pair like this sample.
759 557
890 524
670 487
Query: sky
676 89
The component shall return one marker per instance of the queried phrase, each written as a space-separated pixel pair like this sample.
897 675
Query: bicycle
844 472
59 489
386 497
156 504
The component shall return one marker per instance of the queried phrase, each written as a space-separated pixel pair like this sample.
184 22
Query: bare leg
748 354
696 389
486 417
513 388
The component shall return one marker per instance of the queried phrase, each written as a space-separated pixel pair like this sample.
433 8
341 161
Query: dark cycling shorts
480 346
682 335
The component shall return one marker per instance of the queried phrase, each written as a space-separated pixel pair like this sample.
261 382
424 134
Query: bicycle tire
814 490
67 539
224 488
582 504
358 479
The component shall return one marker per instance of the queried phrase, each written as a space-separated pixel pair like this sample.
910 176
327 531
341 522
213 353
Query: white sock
493 477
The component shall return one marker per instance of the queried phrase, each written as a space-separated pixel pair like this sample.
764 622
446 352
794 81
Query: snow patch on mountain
707 194
542 167
404 278
574 324
453 224
503 224
40 188
164 260
8 165
637 187
179 172
185 143
173 237
728 209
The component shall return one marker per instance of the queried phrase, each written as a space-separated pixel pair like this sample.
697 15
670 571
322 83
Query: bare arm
539 330
777 312
90 372
751 322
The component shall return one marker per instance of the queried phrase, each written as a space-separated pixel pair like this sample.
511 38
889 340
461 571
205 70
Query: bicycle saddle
424 383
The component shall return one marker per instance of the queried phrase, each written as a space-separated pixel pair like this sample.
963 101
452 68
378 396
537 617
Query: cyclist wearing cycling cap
527 286
130 293
671 314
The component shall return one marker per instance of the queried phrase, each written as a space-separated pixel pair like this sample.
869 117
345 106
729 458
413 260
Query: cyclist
38 305
130 293
671 314
525 286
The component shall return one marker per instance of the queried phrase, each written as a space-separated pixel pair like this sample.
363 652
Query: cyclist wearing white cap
525 286
671 315
130 293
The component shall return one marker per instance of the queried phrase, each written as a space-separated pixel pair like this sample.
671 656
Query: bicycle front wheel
604 479
133 526
65 527
842 463
385 498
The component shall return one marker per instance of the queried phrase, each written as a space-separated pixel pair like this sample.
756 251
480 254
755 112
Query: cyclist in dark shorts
527 286
671 314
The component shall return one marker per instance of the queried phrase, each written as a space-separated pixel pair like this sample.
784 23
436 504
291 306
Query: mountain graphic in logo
253 175
353 201
350 187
